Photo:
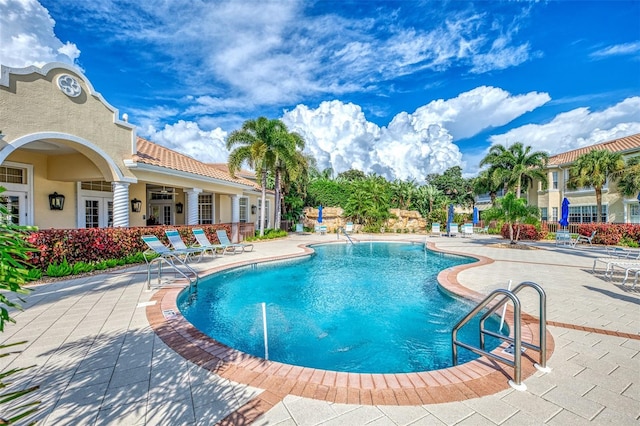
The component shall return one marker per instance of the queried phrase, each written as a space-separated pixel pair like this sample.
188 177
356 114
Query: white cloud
577 128
471 112
27 38
187 138
632 48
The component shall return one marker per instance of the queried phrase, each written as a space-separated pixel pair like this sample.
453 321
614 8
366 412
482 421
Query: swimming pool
363 308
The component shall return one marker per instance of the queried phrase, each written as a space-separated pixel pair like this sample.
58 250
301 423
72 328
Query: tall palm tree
490 181
629 183
593 169
517 165
287 160
254 144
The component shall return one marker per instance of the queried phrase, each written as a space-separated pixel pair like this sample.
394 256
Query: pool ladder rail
177 264
346 234
516 340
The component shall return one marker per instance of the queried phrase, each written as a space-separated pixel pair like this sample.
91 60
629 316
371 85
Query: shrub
81 268
59 269
527 232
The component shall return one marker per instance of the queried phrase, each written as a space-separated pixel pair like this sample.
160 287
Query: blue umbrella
320 213
564 220
476 216
449 218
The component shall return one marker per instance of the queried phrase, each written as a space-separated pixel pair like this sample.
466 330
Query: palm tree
516 165
289 159
593 169
513 211
256 142
488 181
629 183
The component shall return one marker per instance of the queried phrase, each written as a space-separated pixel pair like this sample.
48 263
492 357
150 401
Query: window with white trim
587 214
244 209
205 209
13 175
544 213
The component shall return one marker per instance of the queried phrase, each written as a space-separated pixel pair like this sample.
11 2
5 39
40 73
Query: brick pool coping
473 379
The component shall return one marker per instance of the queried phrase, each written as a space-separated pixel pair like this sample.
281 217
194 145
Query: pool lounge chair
203 242
159 254
435 229
235 247
616 254
467 230
627 267
584 239
178 244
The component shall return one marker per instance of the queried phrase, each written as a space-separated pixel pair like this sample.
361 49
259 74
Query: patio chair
584 239
453 230
616 255
627 267
563 237
224 240
467 230
203 242
435 229
159 254
178 244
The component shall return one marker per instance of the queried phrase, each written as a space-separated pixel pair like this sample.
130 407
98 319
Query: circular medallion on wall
69 85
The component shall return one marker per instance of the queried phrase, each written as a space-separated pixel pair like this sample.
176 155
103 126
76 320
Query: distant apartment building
582 208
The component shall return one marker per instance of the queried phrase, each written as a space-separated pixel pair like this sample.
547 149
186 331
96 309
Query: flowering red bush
610 233
527 232
97 244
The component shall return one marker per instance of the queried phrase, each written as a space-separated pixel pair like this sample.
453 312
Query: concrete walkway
98 361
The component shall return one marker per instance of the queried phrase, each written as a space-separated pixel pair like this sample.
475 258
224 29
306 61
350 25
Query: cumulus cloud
578 128
339 136
187 137
413 144
483 107
27 37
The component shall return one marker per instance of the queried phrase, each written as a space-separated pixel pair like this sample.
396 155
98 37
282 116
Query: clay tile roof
158 155
625 144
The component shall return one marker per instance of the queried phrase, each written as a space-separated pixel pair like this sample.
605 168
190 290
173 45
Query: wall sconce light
56 201
136 205
254 209
179 207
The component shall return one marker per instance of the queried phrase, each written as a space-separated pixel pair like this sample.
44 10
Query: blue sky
400 88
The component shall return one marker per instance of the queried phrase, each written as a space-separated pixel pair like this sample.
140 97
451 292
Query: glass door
15 203
160 214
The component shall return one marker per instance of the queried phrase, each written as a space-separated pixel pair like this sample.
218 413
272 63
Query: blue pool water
363 308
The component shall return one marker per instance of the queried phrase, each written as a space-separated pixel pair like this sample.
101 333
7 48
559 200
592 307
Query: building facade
582 208
68 160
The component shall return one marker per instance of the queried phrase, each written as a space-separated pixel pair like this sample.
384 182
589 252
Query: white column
120 204
235 218
192 205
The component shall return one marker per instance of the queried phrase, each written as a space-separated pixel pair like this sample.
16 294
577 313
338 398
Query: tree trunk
599 204
263 202
278 202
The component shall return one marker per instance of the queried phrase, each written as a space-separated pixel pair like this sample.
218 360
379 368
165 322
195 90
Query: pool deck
107 351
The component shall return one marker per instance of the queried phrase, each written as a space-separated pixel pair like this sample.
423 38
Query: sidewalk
99 361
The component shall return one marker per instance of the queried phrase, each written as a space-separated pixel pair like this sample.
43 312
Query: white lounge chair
467 230
627 267
178 244
453 229
584 239
224 240
435 229
159 254
203 242
616 254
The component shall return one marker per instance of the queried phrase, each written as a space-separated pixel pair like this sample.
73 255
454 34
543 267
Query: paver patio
100 359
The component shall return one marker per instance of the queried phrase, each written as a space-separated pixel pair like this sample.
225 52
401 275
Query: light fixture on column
179 207
254 209
136 205
56 201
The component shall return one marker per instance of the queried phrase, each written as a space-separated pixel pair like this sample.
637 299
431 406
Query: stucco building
60 137
582 208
